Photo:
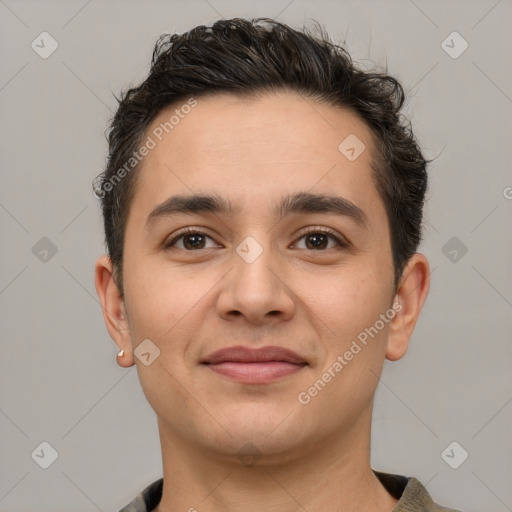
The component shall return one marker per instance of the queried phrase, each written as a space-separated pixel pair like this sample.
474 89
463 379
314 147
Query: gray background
59 382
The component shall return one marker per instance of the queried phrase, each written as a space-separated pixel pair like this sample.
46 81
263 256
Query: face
258 295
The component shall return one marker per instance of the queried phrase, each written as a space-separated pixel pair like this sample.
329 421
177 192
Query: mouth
255 366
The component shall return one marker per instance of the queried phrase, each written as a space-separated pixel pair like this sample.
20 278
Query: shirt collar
410 493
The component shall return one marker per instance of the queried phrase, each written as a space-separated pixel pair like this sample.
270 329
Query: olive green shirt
410 493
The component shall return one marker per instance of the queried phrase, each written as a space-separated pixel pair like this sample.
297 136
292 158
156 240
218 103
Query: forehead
224 123
254 149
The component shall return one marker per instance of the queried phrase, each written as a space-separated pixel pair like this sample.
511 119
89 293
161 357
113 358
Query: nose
256 289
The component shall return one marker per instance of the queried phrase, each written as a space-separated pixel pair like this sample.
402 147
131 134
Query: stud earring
120 353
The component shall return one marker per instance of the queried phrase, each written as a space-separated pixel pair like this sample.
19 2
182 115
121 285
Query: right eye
190 240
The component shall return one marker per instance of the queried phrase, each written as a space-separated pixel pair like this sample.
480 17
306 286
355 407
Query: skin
192 302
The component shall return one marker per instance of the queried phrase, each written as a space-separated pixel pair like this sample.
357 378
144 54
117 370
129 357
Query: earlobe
411 295
113 308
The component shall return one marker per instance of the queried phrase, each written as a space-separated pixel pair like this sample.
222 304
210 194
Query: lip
254 366
240 354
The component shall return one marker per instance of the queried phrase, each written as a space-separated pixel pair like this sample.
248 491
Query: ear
113 308
410 297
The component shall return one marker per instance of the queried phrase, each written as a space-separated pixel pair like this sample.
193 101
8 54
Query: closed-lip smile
254 365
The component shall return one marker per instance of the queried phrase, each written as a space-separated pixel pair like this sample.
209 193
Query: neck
337 470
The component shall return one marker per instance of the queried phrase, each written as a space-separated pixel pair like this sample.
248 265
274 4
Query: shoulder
411 494
147 499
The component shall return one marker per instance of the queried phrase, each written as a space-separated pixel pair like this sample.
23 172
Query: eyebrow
300 202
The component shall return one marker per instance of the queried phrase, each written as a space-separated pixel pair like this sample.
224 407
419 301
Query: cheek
354 344
346 300
150 302
162 303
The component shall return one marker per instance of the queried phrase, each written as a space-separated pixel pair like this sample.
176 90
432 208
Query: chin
265 435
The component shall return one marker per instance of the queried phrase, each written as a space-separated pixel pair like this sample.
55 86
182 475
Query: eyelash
315 230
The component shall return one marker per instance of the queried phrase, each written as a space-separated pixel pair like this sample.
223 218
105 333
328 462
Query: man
262 204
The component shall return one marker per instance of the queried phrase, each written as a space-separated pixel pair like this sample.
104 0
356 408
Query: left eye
318 240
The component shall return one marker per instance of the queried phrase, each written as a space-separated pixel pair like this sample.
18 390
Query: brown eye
319 240
195 241
191 241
